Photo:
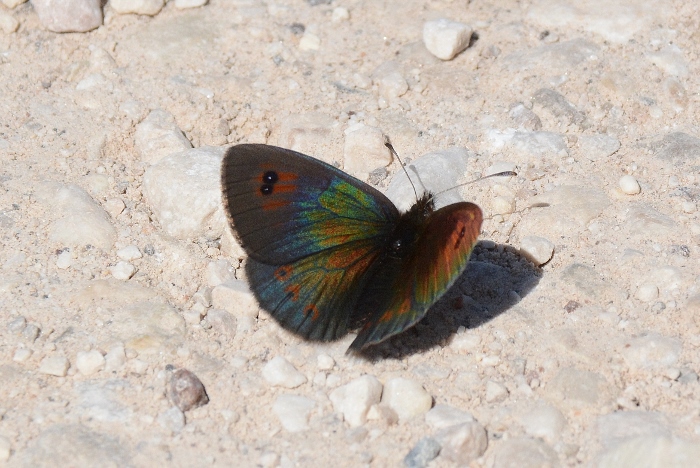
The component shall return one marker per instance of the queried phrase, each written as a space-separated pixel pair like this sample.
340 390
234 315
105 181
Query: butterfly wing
417 280
311 231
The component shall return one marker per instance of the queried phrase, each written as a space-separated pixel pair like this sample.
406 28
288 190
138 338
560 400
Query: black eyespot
266 189
270 177
396 246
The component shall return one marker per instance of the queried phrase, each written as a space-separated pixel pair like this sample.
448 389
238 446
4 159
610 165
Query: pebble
16 325
172 419
78 219
223 322
185 390
10 4
123 270
235 297
389 78
325 362
89 362
645 223
664 450
340 14
651 351
309 133
5 449
647 292
115 358
309 42
218 272
407 397
158 136
425 450
524 118
183 4
64 260
31 332
555 58
22 354
441 416
598 147
617 427
354 399
536 145
54 365
433 172
538 249
445 39
282 373
544 421
293 411
129 253
8 24
139 7
495 392
364 150
575 388
670 59
180 191
382 412
548 100
524 452
629 185
462 443
465 342
69 15
679 147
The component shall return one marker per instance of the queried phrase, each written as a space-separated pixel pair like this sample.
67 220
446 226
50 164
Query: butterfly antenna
498 174
387 143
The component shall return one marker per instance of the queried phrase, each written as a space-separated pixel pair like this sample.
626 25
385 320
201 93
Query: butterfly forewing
433 264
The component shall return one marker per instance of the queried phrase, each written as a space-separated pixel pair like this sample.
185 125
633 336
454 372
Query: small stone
442 416
575 388
544 421
309 42
16 325
158 135
69 15
5 449
115 358
22 354
445 39
10 4
183 4
664 450
538 249
8 24
138 367
597 147
462 443
629 185
364 150
222 321
54 365
524 118
616 427
172 419
114 206
282 373
355 398
123 270
382 412
325 362
186 391
31 332
139 7
495 392
422 453
407 397
130 252
652 351
235 297
89 362
524 452
340 14
64 260
549 101
465 342
389 77
293 411
647 292
218 272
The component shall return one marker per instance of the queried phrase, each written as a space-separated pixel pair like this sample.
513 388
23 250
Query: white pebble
340 14
652 351
219 271
502 205
282 373
235 297
22 354
629 185
495 392
309 41
130 252
89 362
182 4
325 362
139 7
382 412
407 397
462 443
442 416
544 421
293 411
688 207
114 206
64 260
354 399
364 150
445 39
647 292
172 419
5 449
8 24
465 342
539 249
115 358
123 270
54 365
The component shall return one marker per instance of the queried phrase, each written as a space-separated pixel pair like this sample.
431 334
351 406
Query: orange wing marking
294 289
313 310
283 272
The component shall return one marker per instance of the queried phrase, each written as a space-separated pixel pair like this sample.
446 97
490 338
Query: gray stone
551 101
69 15
185 390
102 400
462 443
678 147
524 118
422 453
645 223
524 452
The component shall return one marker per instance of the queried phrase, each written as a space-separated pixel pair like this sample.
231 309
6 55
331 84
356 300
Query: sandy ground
591 359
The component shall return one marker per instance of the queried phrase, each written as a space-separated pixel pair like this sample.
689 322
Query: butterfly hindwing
285 205
417 280
312 234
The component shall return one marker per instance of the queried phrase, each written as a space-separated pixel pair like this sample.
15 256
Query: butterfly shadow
495 280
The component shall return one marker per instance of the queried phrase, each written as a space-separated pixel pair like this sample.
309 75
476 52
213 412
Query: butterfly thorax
410 225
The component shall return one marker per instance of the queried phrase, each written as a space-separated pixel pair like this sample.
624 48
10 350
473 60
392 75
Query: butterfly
329 254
